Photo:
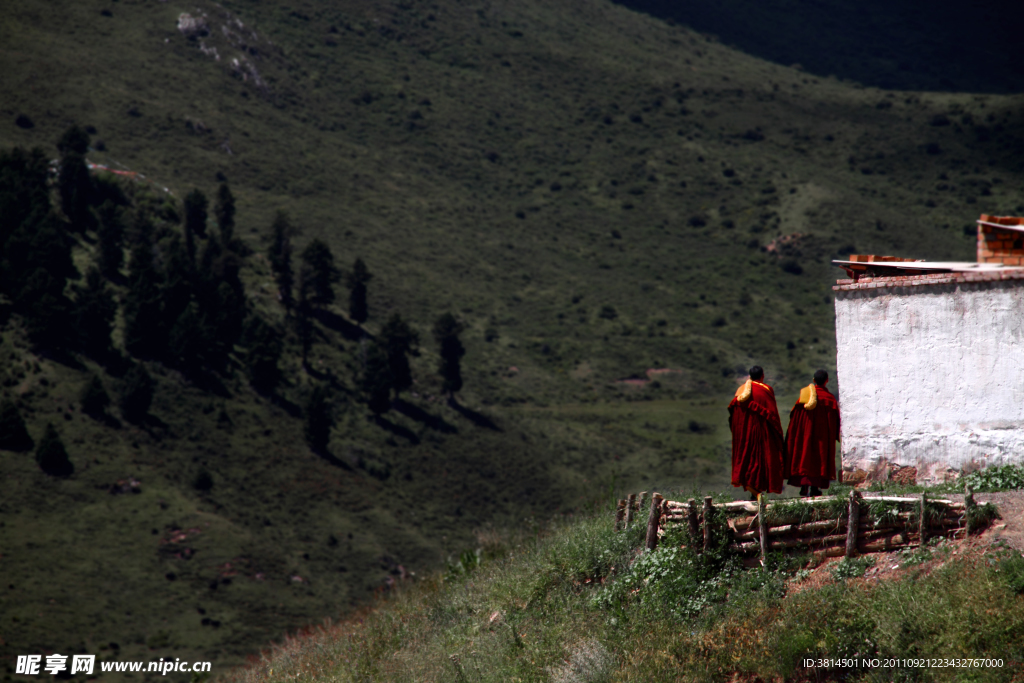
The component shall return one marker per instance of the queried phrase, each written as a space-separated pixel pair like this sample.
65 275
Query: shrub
13 433
51 454
136 393
94 398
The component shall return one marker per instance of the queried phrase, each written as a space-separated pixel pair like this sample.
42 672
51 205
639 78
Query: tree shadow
286 405
435 422
332 459
397 430
333 321
479 419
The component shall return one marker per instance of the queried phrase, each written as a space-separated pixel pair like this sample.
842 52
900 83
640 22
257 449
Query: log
630 505
708 515
653 520
922 525
839 539
641 503
852 524
620 514
691 520
762 529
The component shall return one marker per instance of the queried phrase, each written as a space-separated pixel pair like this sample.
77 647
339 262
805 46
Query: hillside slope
594 193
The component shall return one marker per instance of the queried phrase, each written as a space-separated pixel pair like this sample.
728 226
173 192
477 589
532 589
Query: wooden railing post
691 520
922 525
620 513
852 522
653 520
762 523
707 522
629 510
641 502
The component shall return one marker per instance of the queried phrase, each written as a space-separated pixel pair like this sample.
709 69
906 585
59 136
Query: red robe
758 447
811 442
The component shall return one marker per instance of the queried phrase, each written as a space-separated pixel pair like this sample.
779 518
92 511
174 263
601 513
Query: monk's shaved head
756 373
820 378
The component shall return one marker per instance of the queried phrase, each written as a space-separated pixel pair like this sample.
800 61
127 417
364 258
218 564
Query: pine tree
94 312
280 256
38 263
224 210
51 455
74 185
319 419
24 197
13 433
319 274
376 380
136 393
399 341
111 239
188 343
145 327
263 351
446 331
94 398
196 206
304 327
357 279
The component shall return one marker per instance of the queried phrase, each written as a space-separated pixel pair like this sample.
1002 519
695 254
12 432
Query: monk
811 438
758 446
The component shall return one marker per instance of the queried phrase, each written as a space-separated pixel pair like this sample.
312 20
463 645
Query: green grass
581 603
462 151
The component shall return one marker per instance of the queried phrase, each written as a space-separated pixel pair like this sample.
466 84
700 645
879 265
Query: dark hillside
917 45
594 195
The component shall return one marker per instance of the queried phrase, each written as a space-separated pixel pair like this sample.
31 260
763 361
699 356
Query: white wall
932 376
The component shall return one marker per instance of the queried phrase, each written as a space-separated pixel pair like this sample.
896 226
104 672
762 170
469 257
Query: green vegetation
597 198
582 603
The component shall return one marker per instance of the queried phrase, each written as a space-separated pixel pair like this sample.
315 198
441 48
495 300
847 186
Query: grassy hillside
582 604
595 194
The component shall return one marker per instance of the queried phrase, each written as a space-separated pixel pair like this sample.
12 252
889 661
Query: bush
13 433
51 454
94 398
136 394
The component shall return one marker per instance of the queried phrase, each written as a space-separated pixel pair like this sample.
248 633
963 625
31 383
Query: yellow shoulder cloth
743 393
809 396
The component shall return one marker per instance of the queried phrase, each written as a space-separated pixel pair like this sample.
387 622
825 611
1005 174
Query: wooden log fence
827 524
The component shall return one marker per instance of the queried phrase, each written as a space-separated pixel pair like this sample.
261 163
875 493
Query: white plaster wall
931 376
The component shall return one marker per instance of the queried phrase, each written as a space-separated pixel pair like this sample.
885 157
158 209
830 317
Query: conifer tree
196 206
446 331
263 346
399 341
94 398
319 419
145 327
224 210
176 291
94 312
136 393
74 184
188 343
24 197
38 263
111 239
319 274
357 279
51 455
304 327
280 256
375 382
13 433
